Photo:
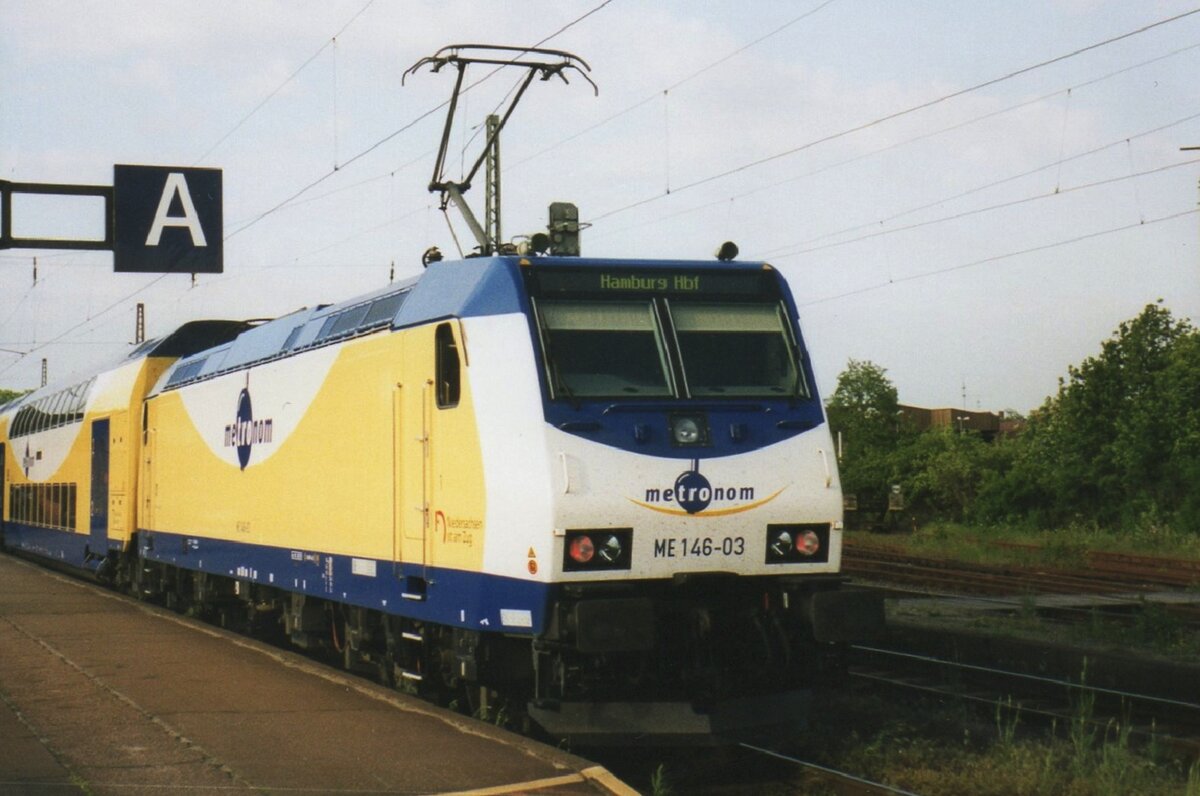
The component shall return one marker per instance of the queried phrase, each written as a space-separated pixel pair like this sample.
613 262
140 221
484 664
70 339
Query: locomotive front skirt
606 487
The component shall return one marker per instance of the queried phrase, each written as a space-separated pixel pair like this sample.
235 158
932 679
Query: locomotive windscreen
616 333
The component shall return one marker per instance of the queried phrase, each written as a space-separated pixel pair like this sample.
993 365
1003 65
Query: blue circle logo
693 492
245 422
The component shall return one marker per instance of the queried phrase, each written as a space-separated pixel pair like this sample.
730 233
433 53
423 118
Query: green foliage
1118 446
1113 428
943 471
1008 718
8 395
1013 765
865 411
659 785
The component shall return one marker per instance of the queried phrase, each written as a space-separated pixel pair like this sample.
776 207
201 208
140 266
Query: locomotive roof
188 338
460 288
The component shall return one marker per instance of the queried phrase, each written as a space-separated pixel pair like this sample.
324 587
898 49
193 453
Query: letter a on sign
176 187
167 219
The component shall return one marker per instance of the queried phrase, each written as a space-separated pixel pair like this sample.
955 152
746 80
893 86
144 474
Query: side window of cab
449 375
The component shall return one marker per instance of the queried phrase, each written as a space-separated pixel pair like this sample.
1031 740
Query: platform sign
157 219
167 219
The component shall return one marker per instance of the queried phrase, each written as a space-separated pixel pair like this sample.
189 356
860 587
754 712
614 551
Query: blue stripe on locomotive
452 597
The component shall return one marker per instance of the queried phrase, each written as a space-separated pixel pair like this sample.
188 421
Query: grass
659 785
1064 548
1012 756
943 750
1152 628
933 748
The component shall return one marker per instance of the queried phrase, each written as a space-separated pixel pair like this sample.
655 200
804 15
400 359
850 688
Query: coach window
449 379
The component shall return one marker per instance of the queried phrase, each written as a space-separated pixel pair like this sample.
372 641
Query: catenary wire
988 209
86 321
403 128
985 186
894 115
305 189
207 152
671 87
328 42
997 258
599 235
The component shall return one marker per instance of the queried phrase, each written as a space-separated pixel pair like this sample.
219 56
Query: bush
1117 446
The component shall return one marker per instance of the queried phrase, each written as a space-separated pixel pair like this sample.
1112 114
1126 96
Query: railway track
1105 573
841 782
1171 723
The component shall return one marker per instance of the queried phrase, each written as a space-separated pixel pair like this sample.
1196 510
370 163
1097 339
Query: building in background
988 425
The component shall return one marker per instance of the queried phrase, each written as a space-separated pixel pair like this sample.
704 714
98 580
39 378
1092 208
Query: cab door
410 412
439 475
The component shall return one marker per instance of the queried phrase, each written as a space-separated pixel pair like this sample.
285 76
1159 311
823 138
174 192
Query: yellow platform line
596 775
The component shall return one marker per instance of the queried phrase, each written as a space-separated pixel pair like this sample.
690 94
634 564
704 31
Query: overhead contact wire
86 321
999 257
395 133
782 250
285 82
980 210
674 85
898 114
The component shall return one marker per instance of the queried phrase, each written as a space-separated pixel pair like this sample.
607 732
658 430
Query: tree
8 395
865 411
865 406
943 470
1121 439
1177 477
1117 446
1113 412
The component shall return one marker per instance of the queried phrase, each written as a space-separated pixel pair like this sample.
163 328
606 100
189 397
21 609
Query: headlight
780 545
594 550
686 431
809 544
689 430
611 550
581 549
797 543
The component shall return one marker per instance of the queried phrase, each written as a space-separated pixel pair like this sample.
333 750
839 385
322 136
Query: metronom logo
695 494
245 431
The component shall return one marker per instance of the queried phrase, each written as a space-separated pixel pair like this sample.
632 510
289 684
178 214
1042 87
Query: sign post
158 219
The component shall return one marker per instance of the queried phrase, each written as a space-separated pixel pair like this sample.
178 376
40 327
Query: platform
101 694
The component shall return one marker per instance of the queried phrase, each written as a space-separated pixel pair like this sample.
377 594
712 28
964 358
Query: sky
972 196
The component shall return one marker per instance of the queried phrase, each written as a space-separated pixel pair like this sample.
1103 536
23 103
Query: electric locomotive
603 487
603 491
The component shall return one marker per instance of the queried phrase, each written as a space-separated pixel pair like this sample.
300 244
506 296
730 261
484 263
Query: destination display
618 281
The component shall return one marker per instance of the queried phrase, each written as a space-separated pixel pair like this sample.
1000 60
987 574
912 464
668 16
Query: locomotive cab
699 518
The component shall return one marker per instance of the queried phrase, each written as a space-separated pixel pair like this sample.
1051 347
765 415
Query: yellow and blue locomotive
603 487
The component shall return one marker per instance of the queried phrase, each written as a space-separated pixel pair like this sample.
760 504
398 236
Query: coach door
98 509
3 490
118 476
145 512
